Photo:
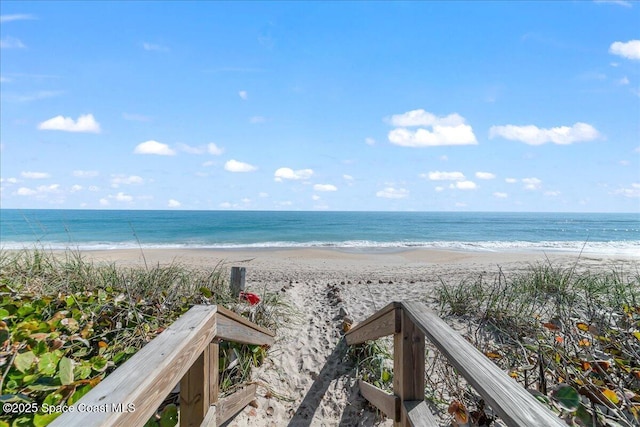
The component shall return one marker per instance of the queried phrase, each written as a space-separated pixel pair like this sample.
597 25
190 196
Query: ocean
603 233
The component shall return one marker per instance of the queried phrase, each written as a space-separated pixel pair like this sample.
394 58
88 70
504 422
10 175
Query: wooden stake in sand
237 280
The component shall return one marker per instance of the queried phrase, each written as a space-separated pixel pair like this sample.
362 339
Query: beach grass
571 337
67 322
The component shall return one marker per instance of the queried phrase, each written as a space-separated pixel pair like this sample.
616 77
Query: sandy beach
307 383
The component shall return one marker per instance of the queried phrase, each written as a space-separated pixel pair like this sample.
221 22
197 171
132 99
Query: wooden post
195 391
408 365
214 366
237 280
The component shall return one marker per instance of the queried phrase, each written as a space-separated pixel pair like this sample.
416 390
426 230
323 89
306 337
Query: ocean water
480 231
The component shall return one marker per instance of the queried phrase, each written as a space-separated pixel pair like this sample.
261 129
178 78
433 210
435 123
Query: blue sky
479 106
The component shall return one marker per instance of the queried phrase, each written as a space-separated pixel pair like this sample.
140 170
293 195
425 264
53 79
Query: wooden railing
186 352
409 323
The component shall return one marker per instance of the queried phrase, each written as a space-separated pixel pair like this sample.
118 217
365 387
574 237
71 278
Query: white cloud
4 79
11 43
154 47
118 180
85 174
369 141
35 175
172 203
243 94
85 123
347 177
33 96
76 187
423 118
448 130
104 202
552 193
9 180
633 191
393 193
136 117
534 135
236 166
257 120
214 150
510 180
624 81
225 205
485 175
629 50
325 187
499 195
154 147
122 197
263 194
315 197
94 188
24 191
288 173
16 17
208 163
465 185
531 183
444 176
441 135
439 188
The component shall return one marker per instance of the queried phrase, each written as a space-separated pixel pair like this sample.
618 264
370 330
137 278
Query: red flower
251 298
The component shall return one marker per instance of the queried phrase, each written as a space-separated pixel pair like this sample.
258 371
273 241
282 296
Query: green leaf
98 363
77 395
82 370
3 313
41 420
24 361
24 420
169 416
48 363
567 397
53 399
66 371
206 292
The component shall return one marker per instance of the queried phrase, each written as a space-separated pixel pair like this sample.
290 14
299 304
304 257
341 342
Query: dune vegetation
66 322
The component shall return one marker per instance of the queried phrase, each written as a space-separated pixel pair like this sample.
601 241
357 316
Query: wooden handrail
185 352
413 321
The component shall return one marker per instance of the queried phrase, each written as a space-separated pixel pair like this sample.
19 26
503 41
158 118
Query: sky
363 106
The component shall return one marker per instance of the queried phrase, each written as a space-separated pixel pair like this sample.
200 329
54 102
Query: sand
308 382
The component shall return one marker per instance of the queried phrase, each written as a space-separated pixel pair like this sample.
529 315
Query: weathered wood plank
244 321
417 414
147 378
408 363
194 391
386 402
380 327
236 281
231 405
232 327
354 331
210 418
214 372
515 406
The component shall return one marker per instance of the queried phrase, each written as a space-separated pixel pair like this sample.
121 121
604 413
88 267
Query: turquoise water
111 229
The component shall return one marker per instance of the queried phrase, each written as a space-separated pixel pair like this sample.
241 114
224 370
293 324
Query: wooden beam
147 378
386 402
380 327
355 331
408 363
214 372
232 327
236 282
231 405
210 418
515 406
194 391
417 413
